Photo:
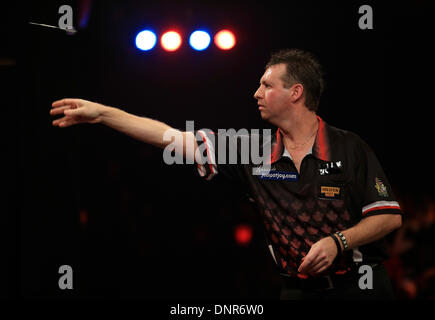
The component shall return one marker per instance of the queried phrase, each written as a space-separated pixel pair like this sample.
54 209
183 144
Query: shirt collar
320 148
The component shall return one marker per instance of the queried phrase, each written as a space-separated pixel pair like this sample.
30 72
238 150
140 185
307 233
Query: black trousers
349 289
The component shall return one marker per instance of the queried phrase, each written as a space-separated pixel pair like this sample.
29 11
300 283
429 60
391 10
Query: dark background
133 227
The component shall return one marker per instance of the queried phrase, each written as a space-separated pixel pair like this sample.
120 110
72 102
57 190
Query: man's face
273 99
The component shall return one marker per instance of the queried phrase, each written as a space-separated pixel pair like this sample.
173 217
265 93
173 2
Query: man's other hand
75 111
319 258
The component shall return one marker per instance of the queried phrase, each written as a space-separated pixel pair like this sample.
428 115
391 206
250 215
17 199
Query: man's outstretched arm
76 111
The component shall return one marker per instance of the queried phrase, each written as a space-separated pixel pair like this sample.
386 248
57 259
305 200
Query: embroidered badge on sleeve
381 188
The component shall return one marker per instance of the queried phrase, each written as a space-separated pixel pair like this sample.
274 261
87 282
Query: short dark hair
302 67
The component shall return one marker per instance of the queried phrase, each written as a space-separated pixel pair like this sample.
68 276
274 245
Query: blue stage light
199 40
146 40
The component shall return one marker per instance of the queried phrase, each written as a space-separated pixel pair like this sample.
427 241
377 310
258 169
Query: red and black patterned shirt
340 182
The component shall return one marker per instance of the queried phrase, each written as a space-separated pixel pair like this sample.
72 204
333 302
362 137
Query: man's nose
257 94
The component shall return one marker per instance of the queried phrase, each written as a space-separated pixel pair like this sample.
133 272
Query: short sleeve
221 154
377 195
207 168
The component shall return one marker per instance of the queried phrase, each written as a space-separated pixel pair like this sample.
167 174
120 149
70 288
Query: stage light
199 40
146 40
225 40
83 217
243 234
170 41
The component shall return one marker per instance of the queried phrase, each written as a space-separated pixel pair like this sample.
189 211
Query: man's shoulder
345 135
347 141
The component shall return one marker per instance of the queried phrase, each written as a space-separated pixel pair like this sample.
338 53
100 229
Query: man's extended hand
320 257
75 111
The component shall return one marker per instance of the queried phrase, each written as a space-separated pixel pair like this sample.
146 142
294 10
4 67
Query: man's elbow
397 221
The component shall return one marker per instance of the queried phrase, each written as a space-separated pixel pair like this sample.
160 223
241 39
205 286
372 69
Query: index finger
64 102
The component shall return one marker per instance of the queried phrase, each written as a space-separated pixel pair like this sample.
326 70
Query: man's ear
296 91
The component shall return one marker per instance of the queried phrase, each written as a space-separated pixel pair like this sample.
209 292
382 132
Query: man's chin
264 116
267 118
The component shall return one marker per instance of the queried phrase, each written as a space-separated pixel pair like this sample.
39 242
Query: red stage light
225 40
83 217
170 41
243 234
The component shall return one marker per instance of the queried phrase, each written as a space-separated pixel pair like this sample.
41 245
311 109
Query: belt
321 283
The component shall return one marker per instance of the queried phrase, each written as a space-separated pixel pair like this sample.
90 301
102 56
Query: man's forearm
371 229
144 129
367 230
147 130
